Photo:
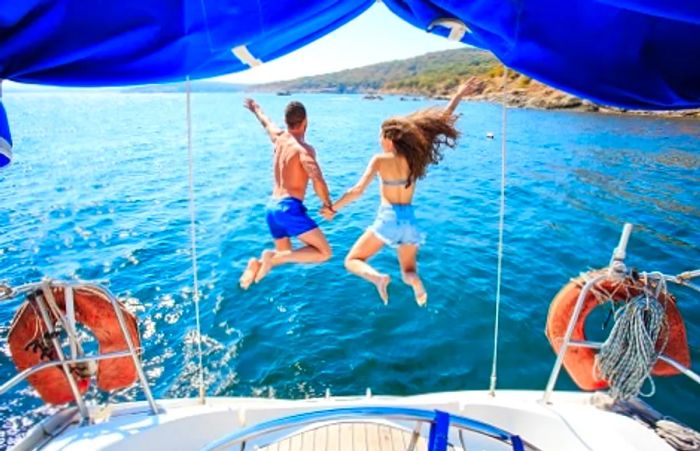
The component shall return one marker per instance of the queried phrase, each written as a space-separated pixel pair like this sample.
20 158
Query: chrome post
59 351
692 375
620 251
682 279
616 269
695 377
567 336
42 366
132 351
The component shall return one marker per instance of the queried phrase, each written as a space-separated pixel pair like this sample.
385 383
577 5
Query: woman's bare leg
356 262
407 260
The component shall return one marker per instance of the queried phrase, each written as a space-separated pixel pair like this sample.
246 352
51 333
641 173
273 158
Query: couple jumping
409 145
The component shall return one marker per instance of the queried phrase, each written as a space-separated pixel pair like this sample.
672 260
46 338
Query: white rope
193 238
678 436
628 355
501 224
58 315
70 315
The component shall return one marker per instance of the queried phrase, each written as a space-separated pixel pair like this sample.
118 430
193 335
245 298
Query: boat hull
570 422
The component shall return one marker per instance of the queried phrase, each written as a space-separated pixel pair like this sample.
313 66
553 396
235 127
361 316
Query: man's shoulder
296 146
286 141
308 147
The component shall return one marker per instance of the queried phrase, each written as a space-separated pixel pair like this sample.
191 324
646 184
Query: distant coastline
437 74
434 75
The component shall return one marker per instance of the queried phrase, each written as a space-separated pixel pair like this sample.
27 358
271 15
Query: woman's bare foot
382 283
419 292
248 275
265 265
421 295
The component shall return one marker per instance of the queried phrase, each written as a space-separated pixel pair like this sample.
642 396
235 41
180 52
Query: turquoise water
98 191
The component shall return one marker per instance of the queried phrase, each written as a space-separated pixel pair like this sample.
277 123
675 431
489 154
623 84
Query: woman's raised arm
463 90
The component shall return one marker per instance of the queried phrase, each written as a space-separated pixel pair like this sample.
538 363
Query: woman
409 145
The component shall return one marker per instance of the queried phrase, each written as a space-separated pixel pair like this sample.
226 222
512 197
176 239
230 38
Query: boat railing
616 271
440 422
66 363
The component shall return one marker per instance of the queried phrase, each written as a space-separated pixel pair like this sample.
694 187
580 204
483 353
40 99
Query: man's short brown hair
294 114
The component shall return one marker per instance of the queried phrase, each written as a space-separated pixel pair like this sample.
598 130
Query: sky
377 35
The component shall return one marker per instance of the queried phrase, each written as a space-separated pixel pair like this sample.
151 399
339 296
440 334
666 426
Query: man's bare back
294 163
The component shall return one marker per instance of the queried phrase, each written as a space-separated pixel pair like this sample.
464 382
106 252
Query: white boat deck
353 436
571 422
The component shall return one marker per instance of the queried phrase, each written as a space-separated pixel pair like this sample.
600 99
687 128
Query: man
294 164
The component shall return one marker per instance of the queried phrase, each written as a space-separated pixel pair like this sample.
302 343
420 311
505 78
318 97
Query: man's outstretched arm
308 160
272 130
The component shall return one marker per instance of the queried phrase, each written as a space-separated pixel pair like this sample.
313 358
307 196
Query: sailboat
627 53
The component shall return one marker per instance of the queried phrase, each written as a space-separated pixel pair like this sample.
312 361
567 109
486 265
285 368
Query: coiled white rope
627 357
193 238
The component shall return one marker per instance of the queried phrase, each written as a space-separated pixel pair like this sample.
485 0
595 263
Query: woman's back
394 175
410 144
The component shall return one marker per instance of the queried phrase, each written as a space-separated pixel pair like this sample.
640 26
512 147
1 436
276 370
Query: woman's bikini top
395 182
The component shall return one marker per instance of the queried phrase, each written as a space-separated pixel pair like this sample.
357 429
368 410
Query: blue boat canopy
5 138
629 53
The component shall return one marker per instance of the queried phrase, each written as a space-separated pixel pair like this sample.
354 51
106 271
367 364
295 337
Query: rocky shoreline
527 93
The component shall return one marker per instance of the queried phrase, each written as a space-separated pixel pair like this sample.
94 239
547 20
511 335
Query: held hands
327 212
251 104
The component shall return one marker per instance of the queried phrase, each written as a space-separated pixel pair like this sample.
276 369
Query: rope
501 224
678 436
193 238
75 346
628 355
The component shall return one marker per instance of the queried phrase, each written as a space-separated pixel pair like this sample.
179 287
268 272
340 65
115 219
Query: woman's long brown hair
420 137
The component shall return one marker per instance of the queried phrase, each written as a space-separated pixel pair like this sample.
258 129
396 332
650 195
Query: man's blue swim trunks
287 217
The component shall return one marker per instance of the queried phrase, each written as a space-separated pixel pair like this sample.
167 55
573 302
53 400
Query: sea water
98 191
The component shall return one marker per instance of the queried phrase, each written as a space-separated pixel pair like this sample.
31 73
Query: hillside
429 74
437 74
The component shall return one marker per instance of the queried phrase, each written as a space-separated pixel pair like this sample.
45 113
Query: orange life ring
578 361
92 309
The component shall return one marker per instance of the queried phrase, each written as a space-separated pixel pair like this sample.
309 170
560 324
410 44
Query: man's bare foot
248 275
265 265
382 283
